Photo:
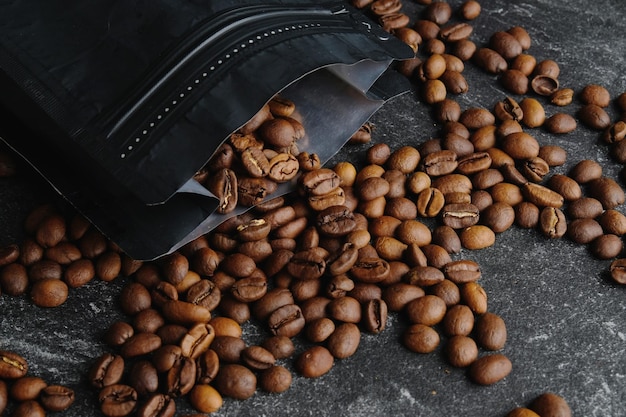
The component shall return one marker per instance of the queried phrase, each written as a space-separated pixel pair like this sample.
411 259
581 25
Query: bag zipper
247 25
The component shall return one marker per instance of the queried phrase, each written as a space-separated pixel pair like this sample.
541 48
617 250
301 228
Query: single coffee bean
459 216
459 320
551 405
474 296
275 379
118 333
428 310
281 347
490 369
607 191
157 405
23 389
398 295
106 370
462 271
389 248
117 400
562 97
490 331
314 362
554 155
617 270
520 145
14 279
522 412
595 94
477 237
336 221
586 171
498 217
606 246
197 340
30 408
286 321
49 293
306 265
542 196
461 351
560 123
514 81
346 309
584 230
320 329
526 215
252 191
613 222
56 398
505 44
45 269
134 298
584 208
79 272
51 230
489 60
181 377
464 49
205 398
423 276
370 270
420 338
140 344
447 238
393 21
448 291
524 63
476 118
257 358
455 83
565 186
344 341
594 117
534 113
456 32
374 315
552 222
508 193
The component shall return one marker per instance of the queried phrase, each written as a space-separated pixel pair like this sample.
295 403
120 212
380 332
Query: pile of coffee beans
246 169
26 395
351 246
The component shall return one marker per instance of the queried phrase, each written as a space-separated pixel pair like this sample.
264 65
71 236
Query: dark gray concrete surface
566 321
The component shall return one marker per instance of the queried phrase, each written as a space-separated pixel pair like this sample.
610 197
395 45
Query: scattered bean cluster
333 259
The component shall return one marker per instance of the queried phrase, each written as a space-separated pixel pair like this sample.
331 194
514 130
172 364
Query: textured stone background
566 320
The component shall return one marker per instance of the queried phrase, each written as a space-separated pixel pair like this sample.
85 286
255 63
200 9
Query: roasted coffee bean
306 265
319 182
474 296
554 155
30 408
459 320
428 310
586 171
12 365
408 36
595 94
423 276
526 215
427 29
45 269
489 60
393 21
534 113
280 347
490 331
584 208
14 279
235 381
562 97
225 326
459 216
143 378
490 369
542 196
463 49
140 344
134 298
487 178
551 405
182 312
314 362
249 289
565 186
197 340
606 246
498 217
370 270
286 321
455 83
252 191
118 333
522 412
447 238
430 202
447 110
420 338
234 309
481 199
275 379
613 222
157 405
181 377
205 398
560 123
283 167
23 389
477 237
514 81
507 109
594 117
552 222
257 358
507 193
607 191
462 271
448 291
106 370
476 118
583 231
319 329
49 293
617 270
308 162
434 91
505 44
615 133
204 293
398 295
223 184
345 309
461 351
524 63
344 341
117 400
455 32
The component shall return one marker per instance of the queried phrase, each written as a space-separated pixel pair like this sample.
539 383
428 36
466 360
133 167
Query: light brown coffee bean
344 341
613 222
534 113
586 171
606 246
490 369
235 381
461 351
544 85
514 81
554 155
428 310
420 338
524 63
489 60
474 296
520 145
276 379
594 117
607 191
552 222
477 237
562 97
490 331
560 123
459 320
